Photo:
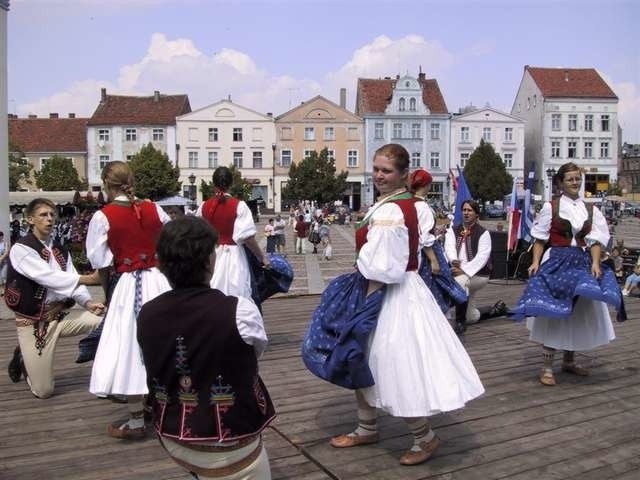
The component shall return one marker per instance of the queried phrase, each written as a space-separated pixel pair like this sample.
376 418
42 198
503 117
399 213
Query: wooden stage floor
584 428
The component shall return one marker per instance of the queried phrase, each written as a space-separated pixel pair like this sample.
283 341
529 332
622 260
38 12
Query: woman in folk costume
434 268
124 234
233 221
416 364
568 289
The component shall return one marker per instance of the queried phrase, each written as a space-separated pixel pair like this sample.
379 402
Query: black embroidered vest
471 245
202 376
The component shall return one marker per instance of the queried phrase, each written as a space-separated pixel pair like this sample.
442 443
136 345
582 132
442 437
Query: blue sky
271 55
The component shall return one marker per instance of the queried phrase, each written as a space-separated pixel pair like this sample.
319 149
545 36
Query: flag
462 194
527 213
454 181
513 218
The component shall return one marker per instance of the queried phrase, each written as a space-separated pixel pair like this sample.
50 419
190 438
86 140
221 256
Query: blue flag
462 195
527 214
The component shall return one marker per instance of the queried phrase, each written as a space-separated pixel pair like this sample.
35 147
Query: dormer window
407 84
401 104
412 104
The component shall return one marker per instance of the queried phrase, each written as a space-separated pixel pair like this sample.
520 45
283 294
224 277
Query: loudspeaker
499 254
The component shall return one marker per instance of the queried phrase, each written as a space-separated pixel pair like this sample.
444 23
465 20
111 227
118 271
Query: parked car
494 211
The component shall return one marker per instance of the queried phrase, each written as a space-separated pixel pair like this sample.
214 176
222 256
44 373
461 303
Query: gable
225 110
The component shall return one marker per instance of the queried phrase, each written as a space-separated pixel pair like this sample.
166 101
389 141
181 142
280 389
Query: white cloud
628 108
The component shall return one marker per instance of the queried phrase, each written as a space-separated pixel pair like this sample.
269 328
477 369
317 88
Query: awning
57 197
176 201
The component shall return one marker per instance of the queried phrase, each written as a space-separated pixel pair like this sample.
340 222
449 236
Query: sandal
575 369
547 378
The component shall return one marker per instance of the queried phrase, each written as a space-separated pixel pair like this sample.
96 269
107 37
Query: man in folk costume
42 285
468 248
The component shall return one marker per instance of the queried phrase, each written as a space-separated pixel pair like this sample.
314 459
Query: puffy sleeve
98 251
243 227
385 255
542 224
199 210
482 255
599 229
81 294
162 215
426 221
450 245
250 325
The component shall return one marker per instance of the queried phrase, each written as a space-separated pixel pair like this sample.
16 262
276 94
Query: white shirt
469 267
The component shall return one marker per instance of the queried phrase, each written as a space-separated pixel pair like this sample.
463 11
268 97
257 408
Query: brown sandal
547 378
575 369
352 440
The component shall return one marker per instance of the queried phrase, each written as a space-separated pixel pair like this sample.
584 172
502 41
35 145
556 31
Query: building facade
629 172
411 112
570 114
38 139
314 125
121 125
224 134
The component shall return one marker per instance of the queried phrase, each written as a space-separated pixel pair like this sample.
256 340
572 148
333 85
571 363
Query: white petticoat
419 365
118 367
231 272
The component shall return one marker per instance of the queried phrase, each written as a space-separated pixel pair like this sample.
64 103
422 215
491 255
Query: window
463 158
309 133
604 122
237 159
237 136
104 159
464 134
416 131
352 158
193 134
193 159
415 160
435 159
331 154
257 159
285 132
588 123
486 134
588 149
412 104
158 134
555 121
435 131
352 133
555 149
307 153
329 133
256 134
378 131
130 134
572 149
103 135
573 122
397 130
528 103
401 105
43 161
508 134
213 134
508 160
213 159
285 158
604 149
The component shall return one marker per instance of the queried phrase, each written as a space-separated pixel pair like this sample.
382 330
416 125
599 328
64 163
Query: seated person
632 281
201 348
617 260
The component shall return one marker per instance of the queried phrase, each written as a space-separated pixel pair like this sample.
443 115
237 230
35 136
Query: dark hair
183 248
396 153
222 180
38 202
563 170
474 205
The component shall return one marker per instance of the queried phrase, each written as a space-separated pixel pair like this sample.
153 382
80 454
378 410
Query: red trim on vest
222 217
561 232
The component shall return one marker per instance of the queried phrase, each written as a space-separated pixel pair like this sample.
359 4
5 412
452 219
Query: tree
486 174
240 188
19 167
58 173
614 188
314 178
154 175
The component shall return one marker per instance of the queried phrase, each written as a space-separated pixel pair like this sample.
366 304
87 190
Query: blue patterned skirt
266 282
443 286
565 276
336 342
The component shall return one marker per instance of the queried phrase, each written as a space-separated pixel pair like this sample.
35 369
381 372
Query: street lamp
273 177
550 174
448 182
192 189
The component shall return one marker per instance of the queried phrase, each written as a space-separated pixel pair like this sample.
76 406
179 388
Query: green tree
240 188
314 178
58 173
614 188
486 174
19 167
155 177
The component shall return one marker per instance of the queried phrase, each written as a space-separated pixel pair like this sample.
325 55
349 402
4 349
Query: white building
121 125
570 115
503 131
224 134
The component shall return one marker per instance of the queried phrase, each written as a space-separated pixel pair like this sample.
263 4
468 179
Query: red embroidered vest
222 217
133 240
407 205
561 232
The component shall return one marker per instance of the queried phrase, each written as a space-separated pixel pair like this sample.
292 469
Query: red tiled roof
375 94
49 134
128 110
570 82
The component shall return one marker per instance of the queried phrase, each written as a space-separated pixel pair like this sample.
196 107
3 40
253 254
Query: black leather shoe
460 328
15 366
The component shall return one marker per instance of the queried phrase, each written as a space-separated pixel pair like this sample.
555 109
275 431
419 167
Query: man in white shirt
278 231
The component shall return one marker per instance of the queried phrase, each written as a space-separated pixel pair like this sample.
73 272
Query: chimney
72 115
31 115
156 96
270 114
53 115
343 98
229 97
103 94
398 76
421 76
11 115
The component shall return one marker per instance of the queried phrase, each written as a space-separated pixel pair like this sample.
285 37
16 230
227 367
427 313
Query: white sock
367 422
421 430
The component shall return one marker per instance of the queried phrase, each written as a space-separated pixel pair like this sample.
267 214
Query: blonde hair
118 177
